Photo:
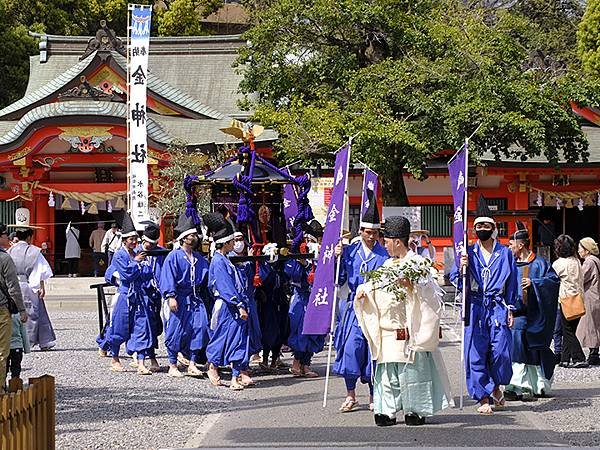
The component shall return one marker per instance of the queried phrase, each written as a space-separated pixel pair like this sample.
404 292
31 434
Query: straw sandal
215 381
485 409
499 402
174 373
142 370
236 385
194 372
349 405
117 367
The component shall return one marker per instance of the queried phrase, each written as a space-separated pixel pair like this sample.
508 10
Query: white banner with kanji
137 76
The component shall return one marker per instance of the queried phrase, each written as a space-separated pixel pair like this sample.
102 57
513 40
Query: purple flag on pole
369 183
290 203
458 169
320 306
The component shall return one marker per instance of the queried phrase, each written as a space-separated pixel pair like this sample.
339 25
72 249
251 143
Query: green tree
588 37
79 18
409 79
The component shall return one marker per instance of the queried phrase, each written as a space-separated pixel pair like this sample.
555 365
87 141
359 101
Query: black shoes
594 361
382 420
413 419
579 365
512 396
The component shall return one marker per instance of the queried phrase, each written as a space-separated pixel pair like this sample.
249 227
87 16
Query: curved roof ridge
49 88
156 131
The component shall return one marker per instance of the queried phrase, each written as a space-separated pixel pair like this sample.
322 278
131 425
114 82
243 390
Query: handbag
573 306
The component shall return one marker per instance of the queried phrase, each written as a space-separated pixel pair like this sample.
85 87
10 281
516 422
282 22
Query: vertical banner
320 306
369 183
290 203
458 169
137 77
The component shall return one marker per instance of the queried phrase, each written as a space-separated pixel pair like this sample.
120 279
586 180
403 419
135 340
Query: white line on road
204 428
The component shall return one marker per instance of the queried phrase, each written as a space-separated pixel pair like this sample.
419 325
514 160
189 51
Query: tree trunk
394 190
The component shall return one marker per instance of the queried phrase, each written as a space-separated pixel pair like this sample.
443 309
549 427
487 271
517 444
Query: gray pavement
287 412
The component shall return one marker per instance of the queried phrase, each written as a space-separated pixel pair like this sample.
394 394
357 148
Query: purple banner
458 169
369 183
290 203
320 306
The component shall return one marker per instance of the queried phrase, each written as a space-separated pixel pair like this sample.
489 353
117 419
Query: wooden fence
27 415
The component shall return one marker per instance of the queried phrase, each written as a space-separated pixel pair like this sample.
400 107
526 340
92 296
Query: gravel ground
99 409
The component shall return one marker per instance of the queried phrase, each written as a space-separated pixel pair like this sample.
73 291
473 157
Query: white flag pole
464 277
335 288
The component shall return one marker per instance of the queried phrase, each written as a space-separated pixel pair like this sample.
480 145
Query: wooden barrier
27 415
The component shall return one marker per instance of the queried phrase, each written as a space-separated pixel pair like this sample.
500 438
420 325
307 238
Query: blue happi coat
353 358
130 317
493 289
297 275
185 278
534 319
152 267
273 306
229 340
246 270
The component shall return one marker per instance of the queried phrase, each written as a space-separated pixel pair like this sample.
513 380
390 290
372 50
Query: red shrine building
63 145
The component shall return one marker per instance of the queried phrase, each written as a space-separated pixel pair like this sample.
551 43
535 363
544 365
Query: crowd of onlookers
578 278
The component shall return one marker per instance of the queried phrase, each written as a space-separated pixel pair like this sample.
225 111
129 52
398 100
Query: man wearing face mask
301 276
353 359
184 285
228 344
492 276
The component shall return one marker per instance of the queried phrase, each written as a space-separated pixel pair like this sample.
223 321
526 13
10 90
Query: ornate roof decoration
104 41
86 91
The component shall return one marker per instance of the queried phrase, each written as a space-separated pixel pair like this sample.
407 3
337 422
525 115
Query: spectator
111 242
568 268
588 331
19 344
96 239
9 292
72 250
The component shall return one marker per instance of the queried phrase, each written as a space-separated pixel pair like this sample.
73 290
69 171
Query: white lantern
82 206
51 202
539 200
109 206
580 204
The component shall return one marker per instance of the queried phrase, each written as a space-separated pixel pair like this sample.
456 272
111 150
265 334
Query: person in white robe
403 336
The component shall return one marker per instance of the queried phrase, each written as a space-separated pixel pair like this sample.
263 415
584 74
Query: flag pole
335 288
464 278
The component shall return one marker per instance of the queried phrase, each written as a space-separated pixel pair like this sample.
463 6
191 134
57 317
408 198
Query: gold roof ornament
246 131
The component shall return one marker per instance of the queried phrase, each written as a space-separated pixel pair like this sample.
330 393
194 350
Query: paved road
283 411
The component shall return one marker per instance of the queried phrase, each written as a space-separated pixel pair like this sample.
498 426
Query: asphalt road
287 412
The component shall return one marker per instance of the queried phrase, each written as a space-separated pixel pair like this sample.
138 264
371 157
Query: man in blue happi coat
300 274
183 283
130 317
492 292
532 360
353 360
152 267
229 322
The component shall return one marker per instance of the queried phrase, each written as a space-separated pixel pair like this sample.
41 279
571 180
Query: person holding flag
535 309
491 275
301 276
353 359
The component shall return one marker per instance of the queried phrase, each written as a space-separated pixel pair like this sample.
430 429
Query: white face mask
313 247
238 246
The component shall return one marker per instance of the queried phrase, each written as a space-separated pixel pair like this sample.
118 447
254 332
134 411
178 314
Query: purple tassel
245 212
191 201
305 213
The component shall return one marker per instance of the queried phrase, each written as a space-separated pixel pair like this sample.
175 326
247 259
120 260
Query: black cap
313 229
521 234
483 212
370 218
125 223
185 226
396 227
221 230
151 233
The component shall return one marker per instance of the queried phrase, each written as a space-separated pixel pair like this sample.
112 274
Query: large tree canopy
589 39
412 78
80 18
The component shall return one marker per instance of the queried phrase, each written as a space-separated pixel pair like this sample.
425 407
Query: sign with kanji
137 142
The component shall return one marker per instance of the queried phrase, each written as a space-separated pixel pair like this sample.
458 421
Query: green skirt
528 379
412 388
